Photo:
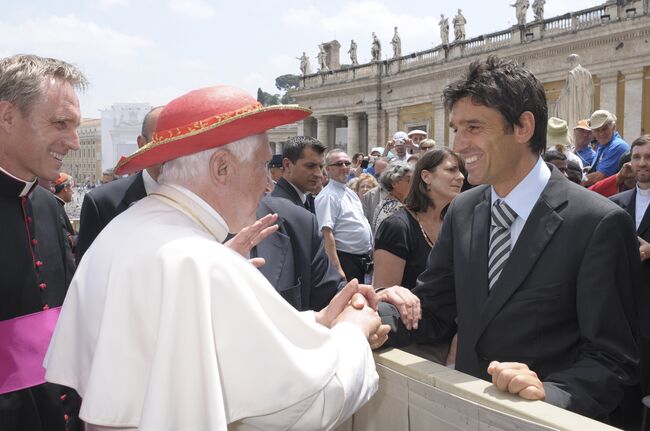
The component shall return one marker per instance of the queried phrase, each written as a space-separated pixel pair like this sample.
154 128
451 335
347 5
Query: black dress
37 266
401 235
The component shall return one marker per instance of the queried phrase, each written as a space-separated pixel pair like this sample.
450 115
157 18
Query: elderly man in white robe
165 328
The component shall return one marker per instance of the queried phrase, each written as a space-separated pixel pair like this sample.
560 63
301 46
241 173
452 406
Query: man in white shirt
172 330
346 231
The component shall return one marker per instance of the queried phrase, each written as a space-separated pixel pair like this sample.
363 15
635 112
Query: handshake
357 304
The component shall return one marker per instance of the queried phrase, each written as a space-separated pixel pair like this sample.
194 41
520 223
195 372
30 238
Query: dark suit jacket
283 189
563 303
103 204
296 262
627 201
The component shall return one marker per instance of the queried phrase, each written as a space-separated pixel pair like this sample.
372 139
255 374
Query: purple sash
23 344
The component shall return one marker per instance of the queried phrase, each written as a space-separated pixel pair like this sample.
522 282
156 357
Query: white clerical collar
208 217
523 197
149 183
28 184
642 192
303 195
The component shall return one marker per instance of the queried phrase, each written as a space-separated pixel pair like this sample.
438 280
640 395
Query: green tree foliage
282 83
287 82
267 99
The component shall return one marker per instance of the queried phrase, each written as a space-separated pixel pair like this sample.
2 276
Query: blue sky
153 51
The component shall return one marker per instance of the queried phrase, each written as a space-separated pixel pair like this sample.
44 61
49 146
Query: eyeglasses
341 163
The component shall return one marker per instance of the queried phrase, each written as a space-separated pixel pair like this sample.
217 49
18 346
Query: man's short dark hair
551 155
641 140
295 145
507 87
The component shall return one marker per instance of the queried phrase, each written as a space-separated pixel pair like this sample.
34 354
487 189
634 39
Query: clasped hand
357 304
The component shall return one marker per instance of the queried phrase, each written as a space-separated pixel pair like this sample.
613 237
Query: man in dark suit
535 273
104 203
296 262
303 161
636 202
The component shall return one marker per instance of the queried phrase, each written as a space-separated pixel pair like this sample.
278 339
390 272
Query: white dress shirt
642 201
339 208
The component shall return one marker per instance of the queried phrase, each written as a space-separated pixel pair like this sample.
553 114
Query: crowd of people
233 288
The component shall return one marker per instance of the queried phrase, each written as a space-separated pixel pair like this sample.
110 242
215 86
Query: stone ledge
480 392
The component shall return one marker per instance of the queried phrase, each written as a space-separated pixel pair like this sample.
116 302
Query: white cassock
165 328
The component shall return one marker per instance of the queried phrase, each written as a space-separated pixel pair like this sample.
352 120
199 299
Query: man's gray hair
193 168
23 78
393 173
328 156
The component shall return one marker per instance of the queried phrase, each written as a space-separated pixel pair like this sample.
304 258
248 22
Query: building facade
84 165
360 107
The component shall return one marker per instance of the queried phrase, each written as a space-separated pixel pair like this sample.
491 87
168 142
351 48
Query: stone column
353 133
608 92
322 132
393 121
300 129
439 125
374 134
633 102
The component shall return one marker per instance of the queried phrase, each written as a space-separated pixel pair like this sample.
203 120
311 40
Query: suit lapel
479 243
274 248
541 225
630 205
288 188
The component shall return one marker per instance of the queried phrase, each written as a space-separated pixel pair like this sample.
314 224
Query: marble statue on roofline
396 41
521 7
353 53
576 100
538 10
305 67
375 50
444 29
322 59
459 26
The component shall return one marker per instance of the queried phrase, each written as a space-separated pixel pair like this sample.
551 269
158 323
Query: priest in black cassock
39 116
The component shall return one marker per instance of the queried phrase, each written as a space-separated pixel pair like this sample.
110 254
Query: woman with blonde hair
362 184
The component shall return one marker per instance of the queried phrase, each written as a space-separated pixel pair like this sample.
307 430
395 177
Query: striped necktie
502 218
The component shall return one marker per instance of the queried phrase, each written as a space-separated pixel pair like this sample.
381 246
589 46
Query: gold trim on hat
201 126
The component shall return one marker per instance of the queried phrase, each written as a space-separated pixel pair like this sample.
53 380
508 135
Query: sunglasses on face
341 163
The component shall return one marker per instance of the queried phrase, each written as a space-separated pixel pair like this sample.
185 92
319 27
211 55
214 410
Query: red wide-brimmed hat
207 118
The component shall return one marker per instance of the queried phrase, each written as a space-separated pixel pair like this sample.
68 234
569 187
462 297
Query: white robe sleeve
343 395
